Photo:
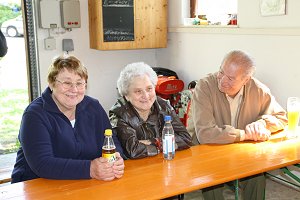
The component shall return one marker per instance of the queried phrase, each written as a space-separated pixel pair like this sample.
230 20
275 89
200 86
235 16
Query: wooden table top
154 178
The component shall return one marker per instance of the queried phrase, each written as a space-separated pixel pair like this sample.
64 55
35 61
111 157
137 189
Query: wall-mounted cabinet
127 24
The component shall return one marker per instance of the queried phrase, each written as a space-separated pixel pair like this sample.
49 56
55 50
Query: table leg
288 172
236 189
276 177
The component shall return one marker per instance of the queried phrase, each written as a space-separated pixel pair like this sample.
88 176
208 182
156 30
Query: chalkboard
118 20
117 3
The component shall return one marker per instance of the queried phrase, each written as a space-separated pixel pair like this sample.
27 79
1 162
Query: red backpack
167 86
168 83
170 87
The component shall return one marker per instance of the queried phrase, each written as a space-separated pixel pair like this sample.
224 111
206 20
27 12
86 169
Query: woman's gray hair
241 59
130 72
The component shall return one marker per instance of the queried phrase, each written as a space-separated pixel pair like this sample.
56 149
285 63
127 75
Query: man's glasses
68 84
230 79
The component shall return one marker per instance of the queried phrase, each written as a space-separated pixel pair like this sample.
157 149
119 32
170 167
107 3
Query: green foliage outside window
12 105
6 12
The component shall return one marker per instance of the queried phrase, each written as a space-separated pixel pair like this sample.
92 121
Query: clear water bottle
109 148
168 139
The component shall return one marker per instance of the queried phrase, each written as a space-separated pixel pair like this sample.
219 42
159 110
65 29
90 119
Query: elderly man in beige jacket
232 106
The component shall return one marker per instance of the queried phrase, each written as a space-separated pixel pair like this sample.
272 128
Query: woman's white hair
134 70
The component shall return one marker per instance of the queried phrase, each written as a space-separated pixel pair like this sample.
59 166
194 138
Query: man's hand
257 131
273 123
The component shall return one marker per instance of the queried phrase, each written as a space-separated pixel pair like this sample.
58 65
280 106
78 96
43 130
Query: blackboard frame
118 20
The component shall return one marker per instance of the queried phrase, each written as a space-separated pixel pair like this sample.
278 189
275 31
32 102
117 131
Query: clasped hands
101 169
257 131
157 142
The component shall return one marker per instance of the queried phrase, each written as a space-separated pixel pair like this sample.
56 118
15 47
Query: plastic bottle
109 148
168 139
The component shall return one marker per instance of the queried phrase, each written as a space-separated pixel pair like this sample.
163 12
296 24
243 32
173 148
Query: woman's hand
118 166
101 169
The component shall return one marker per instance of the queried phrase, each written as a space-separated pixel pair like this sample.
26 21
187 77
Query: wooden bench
5 174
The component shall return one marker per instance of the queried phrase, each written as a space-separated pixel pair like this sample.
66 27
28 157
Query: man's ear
247 79
126 97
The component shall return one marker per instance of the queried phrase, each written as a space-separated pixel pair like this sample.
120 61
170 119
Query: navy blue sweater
52 148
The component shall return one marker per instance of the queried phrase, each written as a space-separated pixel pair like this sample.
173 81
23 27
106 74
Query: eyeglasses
68 84
230 79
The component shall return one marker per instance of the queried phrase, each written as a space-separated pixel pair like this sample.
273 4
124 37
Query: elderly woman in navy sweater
62 132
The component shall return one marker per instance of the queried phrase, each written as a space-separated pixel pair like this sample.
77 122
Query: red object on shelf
233 22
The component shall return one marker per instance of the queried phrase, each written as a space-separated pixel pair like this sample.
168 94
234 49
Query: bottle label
110 157
168 144
109 154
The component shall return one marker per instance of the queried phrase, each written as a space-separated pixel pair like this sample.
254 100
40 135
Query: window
19 80
216 12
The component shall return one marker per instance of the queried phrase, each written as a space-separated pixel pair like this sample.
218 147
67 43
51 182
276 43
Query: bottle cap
167 118
108 132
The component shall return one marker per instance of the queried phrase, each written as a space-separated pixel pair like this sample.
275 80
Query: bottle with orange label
109 148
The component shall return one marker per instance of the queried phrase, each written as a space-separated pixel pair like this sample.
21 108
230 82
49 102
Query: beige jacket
210 111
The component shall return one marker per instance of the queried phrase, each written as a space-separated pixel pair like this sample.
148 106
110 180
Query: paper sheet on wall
272 7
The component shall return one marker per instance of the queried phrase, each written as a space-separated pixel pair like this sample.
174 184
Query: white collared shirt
235 104
73 123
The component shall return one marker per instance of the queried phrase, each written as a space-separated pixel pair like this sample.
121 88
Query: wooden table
154 178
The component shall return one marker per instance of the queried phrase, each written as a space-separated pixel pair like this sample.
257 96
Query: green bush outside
12 105
7 13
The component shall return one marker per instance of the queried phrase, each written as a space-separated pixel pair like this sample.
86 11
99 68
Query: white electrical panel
70 12
50 14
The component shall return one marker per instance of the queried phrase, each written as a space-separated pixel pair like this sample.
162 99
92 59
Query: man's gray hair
134 70
240 59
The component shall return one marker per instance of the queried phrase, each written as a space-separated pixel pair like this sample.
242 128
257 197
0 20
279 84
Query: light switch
50 43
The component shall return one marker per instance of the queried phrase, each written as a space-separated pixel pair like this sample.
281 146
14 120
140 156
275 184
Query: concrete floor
274 191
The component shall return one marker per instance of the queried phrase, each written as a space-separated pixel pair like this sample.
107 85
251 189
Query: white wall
194 52
249 15
103 66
